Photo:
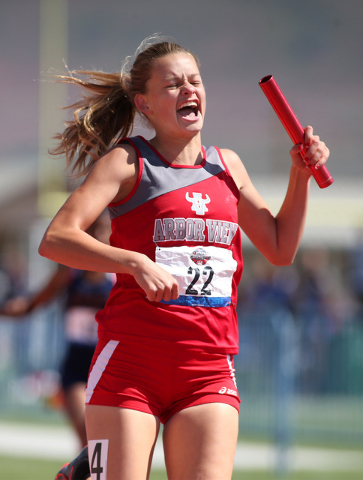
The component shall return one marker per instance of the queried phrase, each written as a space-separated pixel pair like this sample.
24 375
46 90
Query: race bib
204 274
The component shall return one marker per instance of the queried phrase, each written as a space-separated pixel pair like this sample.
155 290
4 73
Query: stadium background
300 369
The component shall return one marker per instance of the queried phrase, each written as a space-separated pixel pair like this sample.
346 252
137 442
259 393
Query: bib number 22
207 271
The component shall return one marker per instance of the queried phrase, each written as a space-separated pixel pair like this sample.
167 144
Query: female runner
168 332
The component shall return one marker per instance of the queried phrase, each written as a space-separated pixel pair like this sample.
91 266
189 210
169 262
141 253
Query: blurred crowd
13 272
322 292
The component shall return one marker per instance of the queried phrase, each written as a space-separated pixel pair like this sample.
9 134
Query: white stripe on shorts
232 370
99 367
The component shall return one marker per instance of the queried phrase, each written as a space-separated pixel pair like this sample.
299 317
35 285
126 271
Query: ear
141 104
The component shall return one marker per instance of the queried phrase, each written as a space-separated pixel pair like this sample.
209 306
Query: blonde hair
106 112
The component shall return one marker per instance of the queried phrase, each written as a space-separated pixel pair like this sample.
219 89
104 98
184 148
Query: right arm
66 241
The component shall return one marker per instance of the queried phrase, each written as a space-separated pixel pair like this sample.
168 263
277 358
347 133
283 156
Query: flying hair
106 112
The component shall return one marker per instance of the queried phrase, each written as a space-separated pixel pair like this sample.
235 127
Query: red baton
292 125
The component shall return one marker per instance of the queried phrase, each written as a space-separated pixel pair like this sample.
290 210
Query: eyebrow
174 77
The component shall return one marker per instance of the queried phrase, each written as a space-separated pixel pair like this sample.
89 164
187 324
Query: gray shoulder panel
159 178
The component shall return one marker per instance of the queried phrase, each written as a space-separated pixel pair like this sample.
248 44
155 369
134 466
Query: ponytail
103 116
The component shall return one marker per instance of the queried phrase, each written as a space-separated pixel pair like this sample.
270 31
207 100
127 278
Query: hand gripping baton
292 125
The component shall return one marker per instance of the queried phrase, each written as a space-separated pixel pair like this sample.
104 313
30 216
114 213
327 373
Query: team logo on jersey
199 256
199 203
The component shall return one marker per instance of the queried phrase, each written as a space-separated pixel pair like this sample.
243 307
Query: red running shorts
159 379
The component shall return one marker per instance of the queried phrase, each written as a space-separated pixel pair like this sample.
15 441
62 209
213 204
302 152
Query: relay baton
292 125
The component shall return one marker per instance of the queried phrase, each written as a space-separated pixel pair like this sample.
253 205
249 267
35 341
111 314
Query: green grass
17 468
247 475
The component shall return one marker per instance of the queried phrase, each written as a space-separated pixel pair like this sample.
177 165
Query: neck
179 151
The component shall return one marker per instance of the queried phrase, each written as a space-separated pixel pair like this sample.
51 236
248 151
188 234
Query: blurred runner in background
86 293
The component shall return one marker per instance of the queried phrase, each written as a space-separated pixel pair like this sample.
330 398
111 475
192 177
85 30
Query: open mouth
189 110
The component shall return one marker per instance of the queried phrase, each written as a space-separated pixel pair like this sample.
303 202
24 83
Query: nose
188 89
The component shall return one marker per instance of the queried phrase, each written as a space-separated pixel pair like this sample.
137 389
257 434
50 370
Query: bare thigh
131 439
200 442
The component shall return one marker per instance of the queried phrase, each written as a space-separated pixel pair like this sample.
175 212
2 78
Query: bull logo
199 203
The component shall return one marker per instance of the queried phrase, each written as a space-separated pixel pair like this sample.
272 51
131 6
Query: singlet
83 300
185 219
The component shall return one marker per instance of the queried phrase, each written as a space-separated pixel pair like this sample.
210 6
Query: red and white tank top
185 219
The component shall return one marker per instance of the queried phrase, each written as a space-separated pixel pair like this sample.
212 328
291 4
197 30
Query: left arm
278 238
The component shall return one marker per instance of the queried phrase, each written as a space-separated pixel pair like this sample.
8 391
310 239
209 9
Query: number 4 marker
98 450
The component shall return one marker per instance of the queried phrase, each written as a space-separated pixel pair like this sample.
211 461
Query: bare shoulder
231 157
116 171
236 167
120 158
